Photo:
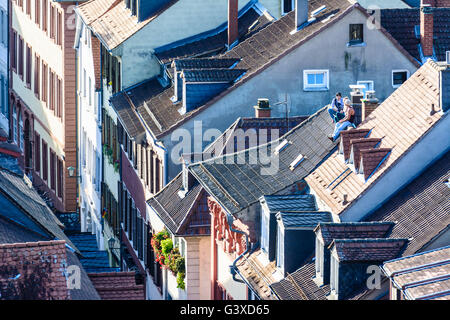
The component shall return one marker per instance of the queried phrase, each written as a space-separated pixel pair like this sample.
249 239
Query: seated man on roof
335 109
344 123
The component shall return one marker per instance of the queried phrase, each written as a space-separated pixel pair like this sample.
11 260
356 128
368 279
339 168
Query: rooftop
302 219
238 180
422 276
400 122
277 203
381 249
117 286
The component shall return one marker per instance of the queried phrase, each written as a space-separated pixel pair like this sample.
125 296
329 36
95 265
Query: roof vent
318 10
294 164
281 146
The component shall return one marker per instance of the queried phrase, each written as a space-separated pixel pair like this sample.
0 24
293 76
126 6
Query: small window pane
356 33
399 77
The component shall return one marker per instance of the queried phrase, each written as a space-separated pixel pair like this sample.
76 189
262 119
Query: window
334 275
287 6
29 64
52 90
37 75
265 220
59 95
398 77
44 83
280 248
13 49
281 146
20 131
60 179
52 170
29 8
4 27
356 34
44 161
37 12
15 133
59 29
37 152
90 91
20 62
44 15
52 22
368 84
315 80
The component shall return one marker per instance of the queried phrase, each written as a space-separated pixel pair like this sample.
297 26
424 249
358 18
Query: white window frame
396 71
283 12
316 87
364 82
280 248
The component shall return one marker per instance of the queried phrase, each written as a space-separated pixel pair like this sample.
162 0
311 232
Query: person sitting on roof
335 109
343 124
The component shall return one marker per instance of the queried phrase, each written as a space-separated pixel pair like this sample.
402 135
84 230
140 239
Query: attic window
281 146
398 77
296 162
356 34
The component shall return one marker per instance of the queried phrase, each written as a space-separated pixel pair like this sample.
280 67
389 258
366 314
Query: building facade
43 97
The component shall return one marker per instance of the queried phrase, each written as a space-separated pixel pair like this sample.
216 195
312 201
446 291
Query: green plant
180 280
166 246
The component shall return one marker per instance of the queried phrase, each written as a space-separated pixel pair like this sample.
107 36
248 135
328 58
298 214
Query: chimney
233 31
369 104
426 28
301 12
262 110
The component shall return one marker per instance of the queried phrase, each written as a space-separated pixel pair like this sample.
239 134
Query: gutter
233 268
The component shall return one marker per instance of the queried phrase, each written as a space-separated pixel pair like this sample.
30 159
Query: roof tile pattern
212 75
361 144
38 266
352 250
117 286
400 121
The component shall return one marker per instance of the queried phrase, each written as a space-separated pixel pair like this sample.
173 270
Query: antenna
285 102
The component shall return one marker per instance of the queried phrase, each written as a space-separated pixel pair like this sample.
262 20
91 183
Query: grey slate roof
368 249
212 75
400 24
174 210
204 63
353 230
170 207
28 200
236 184
303 219
127 115
277 203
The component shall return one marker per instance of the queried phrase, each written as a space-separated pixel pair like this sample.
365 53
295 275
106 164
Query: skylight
281 146
296 162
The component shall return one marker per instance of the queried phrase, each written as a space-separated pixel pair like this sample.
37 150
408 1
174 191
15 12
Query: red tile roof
401 121
117 286
357 145
35 270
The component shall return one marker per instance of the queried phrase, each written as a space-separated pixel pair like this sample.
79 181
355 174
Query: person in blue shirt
336 108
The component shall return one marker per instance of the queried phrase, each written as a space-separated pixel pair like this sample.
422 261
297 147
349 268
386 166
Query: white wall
236 289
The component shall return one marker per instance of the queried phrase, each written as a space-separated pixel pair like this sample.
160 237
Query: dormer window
280 248
334 276
356 34
296 162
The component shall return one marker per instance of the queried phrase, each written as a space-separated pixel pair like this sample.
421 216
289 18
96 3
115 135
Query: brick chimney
426 27
262 110
233 32
369 105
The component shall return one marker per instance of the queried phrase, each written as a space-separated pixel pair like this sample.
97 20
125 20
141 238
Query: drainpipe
233 268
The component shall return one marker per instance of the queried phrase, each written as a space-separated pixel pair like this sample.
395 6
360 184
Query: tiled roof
211 75
174 210
256 53
204 63
400 121
421 211
128 116
117 286
170 207
400 23
212 43
238 182
352 230
300 285
112 22
290 202
368 249
37 266
25 197
303 219
11 232
258 273
422 276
